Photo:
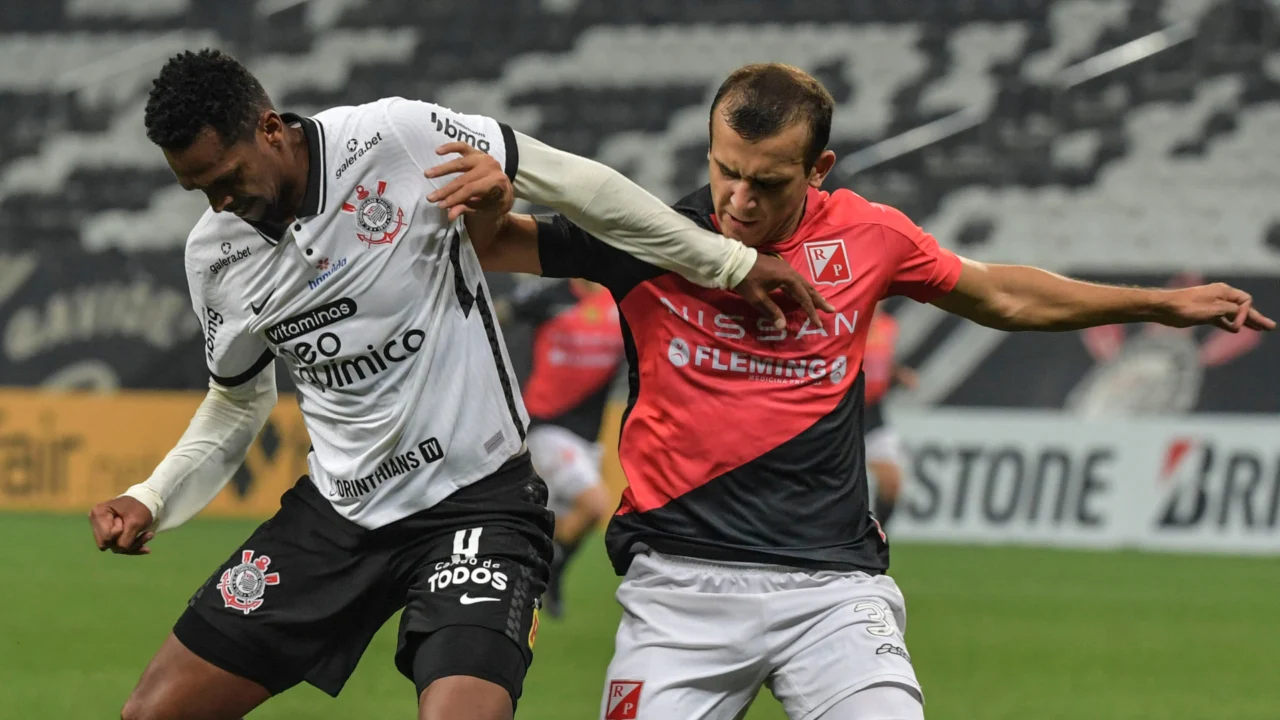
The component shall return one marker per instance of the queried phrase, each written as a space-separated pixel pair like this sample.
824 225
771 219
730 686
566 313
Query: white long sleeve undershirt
209 452
606 204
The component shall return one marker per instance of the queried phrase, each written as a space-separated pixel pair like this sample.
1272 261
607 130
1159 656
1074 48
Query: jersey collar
313 200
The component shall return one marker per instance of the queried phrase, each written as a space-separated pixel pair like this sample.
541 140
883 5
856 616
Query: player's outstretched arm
606 205
1017 297
610 207
193 472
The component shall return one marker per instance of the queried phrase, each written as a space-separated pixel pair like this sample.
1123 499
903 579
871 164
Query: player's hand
120 525
481 186
771 273
1218 304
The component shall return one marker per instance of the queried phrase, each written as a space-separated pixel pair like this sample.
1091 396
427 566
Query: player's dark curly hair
195 90
763 99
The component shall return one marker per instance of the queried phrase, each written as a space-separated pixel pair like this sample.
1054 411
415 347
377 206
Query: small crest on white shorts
624 699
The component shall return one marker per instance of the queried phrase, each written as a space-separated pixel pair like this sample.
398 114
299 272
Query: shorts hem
461 664
485 675
882 679
204 639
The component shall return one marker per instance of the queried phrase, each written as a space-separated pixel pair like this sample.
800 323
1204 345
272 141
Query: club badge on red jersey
828 262
624 699
380 221
242 586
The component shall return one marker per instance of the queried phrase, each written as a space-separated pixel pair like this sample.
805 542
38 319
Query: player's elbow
488 252
1026 298
994 309
1010 313
1017 315
509 244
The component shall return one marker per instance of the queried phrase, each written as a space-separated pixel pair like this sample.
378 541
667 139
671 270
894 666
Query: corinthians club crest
380 222
242 586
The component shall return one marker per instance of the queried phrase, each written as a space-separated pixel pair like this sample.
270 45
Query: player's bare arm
509 243
1017 297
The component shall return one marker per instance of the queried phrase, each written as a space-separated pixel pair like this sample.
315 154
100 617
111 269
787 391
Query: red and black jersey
742 442
878 358
577 348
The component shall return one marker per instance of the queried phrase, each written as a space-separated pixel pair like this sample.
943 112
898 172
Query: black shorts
304 595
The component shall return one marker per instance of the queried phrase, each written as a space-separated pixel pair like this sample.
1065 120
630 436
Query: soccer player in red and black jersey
882 443
749 552
577 349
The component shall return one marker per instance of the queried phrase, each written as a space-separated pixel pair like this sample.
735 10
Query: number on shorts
882 622
466 543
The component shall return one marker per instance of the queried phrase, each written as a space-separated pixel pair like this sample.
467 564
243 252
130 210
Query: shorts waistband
726 566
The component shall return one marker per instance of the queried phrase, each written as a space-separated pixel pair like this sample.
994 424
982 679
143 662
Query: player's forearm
1028 298
209 453
505 243
621 213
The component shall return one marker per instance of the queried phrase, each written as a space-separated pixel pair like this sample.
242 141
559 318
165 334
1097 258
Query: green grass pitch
995 633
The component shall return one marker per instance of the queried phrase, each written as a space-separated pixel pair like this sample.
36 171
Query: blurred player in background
577 348
885 457
352 269
749 551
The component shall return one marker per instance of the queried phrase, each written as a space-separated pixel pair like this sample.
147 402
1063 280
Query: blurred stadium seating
1110 136
1129 141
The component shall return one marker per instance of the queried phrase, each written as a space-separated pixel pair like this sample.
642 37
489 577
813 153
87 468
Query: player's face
246 177
759 187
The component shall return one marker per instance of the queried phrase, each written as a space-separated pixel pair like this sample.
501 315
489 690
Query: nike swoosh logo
468 600
257 308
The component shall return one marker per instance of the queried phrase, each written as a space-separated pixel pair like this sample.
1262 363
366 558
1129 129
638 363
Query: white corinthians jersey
377 305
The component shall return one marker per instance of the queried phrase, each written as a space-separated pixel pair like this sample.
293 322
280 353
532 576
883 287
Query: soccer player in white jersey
330 246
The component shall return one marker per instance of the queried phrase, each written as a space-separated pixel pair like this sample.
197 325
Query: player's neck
301 171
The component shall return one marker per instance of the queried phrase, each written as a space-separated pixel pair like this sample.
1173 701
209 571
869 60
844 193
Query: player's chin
254 211
747 233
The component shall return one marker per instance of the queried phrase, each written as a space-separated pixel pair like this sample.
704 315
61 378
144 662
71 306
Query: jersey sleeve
234 355
422 127
923 270
568 251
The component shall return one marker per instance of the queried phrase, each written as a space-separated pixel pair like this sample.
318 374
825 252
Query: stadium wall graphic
67 451
97 321
1195 483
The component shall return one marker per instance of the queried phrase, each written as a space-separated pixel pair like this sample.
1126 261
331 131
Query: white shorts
698 639
884 445
566 462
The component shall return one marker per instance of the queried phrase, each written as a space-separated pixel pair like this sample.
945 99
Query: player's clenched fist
120 525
